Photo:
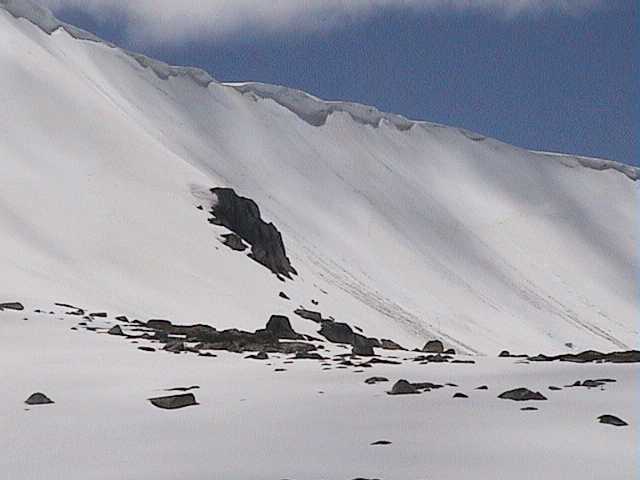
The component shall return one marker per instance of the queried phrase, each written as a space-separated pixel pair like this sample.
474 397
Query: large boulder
612 420
242 216
403 387
433 346
337 332
280 327
17 306
38 399
521 394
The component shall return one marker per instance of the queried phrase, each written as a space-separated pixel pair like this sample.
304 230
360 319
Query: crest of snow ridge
307 107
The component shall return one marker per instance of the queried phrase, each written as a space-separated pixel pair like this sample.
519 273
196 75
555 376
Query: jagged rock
433 346
337 332
390 345
403 387
482 387
449 351
309 315
174 402
122 318
280 327
284 295
242 216
116 330
521 394
612 420
374 380
98 315
628 356
38 399
309 356
234 242
174 347
427 386
460 395
17 306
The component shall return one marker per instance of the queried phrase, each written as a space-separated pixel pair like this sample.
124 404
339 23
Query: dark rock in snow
433 346
284 295
234 242
309 356
449 351
280 327
374 380
122 318
555 389
337 332
612 420
521 394
116 330
258 356
183 389
147 349
16 306
174 347
38 399
309 315
381 442
482 387
403 387
529 409
174 402
242 216
390 345
629 356
98 315
460 395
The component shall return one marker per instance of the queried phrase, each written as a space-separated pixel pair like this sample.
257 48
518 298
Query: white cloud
178 20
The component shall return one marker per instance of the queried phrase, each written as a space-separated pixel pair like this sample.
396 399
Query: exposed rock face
612 420
242 216
363 350
403 387
174 402
280 327
38 399
433 346
17 306
309 315
390 345
629 356
234 242
521 394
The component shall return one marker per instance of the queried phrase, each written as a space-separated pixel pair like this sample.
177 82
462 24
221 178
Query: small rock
450 351
258 356
38 399
390 344
284 295
116 330
174 402
529 409
374 380
553 388
433 346
363 350
403 387
174 347
147 349
612 420
521 394
381 442
17 306
460 395
482 387
98 314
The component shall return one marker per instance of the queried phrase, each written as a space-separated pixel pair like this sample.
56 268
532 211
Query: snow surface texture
413 230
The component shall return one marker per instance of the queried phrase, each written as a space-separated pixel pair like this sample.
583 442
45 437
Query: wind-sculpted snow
410 230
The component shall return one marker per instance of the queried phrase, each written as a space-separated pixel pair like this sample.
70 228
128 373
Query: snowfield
408 230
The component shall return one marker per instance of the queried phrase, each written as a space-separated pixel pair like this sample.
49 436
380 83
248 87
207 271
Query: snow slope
412 229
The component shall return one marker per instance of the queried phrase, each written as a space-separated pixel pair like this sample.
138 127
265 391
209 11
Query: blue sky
540 79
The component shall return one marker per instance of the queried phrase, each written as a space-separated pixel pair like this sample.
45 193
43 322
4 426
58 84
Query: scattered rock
147 349
529 409
390 345
521 394
433 346
337 332
284 295
38 399
116 330
460 395
612 420
16 306
309 315
381 442
449 351
465 362
174 347
182 389
403 387
374 380
629 356
98 315
174 402
259 356
309 356
482 387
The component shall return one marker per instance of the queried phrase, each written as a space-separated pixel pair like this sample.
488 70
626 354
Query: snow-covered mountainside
409 230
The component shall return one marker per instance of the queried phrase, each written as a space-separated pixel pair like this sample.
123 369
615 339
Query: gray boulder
173 402
521 394
38 399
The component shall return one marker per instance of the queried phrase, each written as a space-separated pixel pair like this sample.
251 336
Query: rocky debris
280 327
314 302
174 402
16 306
242 216
183 389
529 409
380 361
437 358
591 383
147 349
122 318
521 394
338 332
174 347
507 354
464 362
284 295
381 442
433 346
449 351
363 349
482 387
258 356
612 420
309 356
98 315
374 380
309 315
554 389
403 387
38 399
390 345
234 242
116 330
628 356
460 395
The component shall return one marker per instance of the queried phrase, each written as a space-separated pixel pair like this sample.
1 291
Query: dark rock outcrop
234 242
628 356
374 380
403 387
460 395
16 306
258 356
116 330
521 394
390 345
612 420
280 327
309 315
38 399
242 216
173 402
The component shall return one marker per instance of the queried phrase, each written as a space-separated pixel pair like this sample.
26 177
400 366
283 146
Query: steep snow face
409 230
